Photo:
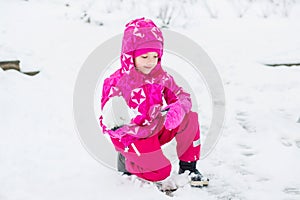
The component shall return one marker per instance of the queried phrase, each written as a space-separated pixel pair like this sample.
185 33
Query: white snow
257 157
289 57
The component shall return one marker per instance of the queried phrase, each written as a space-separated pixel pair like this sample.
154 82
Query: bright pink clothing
149 162
142 92
145 94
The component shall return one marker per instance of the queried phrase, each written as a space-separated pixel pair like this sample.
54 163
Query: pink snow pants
145 159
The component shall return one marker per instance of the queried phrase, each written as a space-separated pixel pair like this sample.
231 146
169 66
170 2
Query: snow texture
41 157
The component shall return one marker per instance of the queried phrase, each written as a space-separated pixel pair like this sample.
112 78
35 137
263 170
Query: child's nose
151 61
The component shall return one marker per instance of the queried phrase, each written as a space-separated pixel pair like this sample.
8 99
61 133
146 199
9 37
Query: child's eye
155 56
144 56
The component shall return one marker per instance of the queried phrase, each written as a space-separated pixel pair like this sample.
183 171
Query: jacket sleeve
109 90
121 129
173 93
128 133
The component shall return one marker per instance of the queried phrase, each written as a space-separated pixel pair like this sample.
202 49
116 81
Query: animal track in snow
292 190
244 123
286 141
246 150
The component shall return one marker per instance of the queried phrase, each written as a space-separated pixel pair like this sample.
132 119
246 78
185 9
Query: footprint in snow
292 190
247 150
242 120
286 141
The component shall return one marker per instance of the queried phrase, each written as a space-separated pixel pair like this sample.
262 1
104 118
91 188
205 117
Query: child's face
145 63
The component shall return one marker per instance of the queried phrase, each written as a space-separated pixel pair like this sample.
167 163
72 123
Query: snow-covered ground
41 157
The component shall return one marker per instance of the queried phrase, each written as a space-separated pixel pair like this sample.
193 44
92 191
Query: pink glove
174 116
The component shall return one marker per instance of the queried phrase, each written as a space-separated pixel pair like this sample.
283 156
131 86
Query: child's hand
174 116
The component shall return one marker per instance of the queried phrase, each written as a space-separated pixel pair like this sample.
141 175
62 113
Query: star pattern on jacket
156 32
127 60
136 32
133 131
138 96
114 91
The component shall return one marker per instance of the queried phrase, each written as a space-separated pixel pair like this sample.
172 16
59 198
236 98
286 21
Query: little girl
163 110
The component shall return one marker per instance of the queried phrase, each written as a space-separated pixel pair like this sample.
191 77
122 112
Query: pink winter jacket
142 92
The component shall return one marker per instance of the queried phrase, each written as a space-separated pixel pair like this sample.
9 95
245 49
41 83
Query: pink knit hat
142 51
140 36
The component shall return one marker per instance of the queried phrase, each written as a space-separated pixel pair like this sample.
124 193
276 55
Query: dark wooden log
14 64
283 64
31 73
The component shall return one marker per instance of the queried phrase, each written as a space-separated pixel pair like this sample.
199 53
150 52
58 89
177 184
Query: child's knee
192 116
159 174
165 172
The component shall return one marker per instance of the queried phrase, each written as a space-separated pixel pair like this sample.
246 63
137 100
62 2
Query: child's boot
196 178
121 165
